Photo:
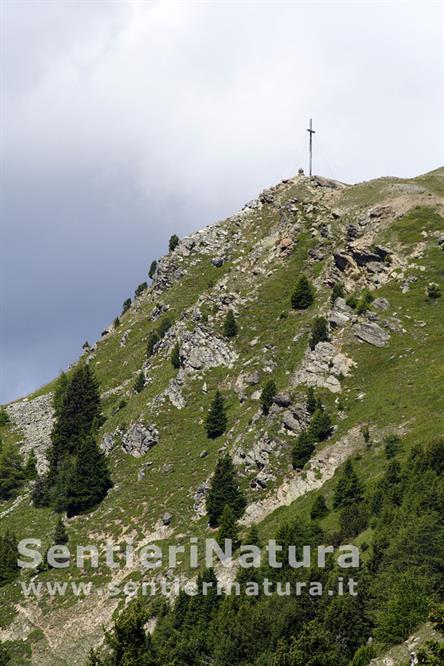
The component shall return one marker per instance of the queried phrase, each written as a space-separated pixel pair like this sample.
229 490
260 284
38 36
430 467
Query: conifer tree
153 269
4 417
320 425
129 642
140 289
349 488
303 295
12 474
319 508
173 242
230 325
175 356
90 480
302 449
319 332
8 558
59 393
5 659
267 396
126 305
224 490
116 322
60 534
228 528
40 492
311 401
139 384
216 422
30 469
253 538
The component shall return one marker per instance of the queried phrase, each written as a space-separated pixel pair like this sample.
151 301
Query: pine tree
8 558
311 401
230 325
30 469
153 269
12 474
320 425
116 322
228 528
60 534
303 295
126 305
139 384
253 538
319 332
40 492
391 446
319 508
267 396
302 449
140 289
59 393
175 356
349 488
216 422
129 643
173 242
90 480
224 490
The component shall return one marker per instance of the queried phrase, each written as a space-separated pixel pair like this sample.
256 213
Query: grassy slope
401 386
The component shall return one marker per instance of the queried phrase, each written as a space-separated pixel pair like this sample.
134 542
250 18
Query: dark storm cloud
125 122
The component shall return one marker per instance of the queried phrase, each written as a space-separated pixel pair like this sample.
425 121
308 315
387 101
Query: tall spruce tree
173 242
224 490
230 325
90 479
12 474
303 295
175 356
311 400
153 269
349 488
60 534
320 425
216 422
8 558
5 659
319 332
228 528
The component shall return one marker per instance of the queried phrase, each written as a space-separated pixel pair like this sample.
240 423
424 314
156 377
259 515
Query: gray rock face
321 366
167 518
257 457
143 470
282 400
381 303
139 439
340 314
200 350
107 443
371 333
34 418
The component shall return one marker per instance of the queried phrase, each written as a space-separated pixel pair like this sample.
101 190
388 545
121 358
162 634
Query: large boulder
322 366
200 350
371 333
139 439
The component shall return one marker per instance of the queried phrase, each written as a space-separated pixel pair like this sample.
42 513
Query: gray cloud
126 122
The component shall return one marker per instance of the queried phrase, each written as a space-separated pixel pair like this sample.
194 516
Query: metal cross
311 131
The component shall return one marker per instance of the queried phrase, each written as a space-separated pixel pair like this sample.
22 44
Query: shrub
173 242
164 326
126 305
337 292
363 655
139 384
319 332
302 449
116 322
433 291
4 417
153 339
230 325
267 396
391 445
303 295
122 404
365 432
175 356
141 288
153 269
353 520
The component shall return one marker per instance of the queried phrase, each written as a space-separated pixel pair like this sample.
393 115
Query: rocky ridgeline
33 419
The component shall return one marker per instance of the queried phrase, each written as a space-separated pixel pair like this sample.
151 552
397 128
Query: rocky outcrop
34 418
371 333
139 439
340 314
200 497
201 350
322 367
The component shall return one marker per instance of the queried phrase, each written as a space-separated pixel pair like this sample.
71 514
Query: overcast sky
125 122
